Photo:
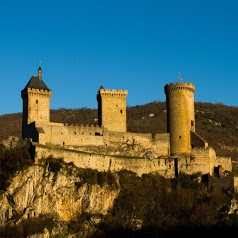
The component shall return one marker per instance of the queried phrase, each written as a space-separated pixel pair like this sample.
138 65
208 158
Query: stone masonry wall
136 144
105 163
63 134
38 105
225 162
203 160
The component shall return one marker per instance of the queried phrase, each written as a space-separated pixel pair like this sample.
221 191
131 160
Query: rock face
57 199
60 192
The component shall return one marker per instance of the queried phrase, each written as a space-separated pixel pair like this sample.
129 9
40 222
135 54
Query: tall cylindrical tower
180 116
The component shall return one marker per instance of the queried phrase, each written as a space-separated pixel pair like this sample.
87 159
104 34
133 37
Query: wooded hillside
217 123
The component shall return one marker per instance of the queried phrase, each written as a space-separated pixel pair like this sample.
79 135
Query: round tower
112 109
180 116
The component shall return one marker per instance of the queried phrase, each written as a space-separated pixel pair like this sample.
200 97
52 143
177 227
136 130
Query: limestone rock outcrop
60 192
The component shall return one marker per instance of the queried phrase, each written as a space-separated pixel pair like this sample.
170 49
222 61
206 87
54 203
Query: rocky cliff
52 193
57 199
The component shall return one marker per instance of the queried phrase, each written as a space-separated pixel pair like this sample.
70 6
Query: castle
109 147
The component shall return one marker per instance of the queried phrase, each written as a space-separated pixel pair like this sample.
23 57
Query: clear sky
134 45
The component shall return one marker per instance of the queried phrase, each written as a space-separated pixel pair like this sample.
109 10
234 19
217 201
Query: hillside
217 123
54 198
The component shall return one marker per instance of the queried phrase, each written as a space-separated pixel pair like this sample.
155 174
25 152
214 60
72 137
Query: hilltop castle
109 147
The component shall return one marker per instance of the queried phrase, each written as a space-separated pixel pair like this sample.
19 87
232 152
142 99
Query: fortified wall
96 138
108 146
103 163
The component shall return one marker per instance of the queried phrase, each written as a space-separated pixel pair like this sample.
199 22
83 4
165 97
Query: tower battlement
81 125
113 93
179 86
35 91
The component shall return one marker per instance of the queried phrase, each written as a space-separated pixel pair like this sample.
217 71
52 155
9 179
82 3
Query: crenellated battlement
179 86
113 93
82 125
36 90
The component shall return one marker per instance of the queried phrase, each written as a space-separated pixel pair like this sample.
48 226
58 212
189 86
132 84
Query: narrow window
36 101
192 123
180 137
121 111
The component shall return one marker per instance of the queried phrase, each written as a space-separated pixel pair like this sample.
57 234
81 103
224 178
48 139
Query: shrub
11 161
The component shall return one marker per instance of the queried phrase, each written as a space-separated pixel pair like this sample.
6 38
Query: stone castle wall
64 134
235 184
76 136
202 161
105 163
225 162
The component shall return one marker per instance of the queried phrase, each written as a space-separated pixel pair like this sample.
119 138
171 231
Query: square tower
112 109
36 101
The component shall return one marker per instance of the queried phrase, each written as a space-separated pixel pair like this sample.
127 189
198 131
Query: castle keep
108 145
112 109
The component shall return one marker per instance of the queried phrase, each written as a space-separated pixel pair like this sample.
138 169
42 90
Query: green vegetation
147 206
28 227
92 177
87 176
152 206
54 164
12 161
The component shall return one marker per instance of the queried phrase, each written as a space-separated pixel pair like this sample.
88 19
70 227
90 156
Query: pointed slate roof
37 83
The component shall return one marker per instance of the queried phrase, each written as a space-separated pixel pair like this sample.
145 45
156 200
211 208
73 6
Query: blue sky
137 46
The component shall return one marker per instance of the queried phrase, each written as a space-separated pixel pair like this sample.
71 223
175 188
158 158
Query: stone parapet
179 86
113 93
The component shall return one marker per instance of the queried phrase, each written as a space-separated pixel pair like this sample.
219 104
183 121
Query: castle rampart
204 160
109 147
105 163
113 92
77 136
179 86
39 92
72 135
